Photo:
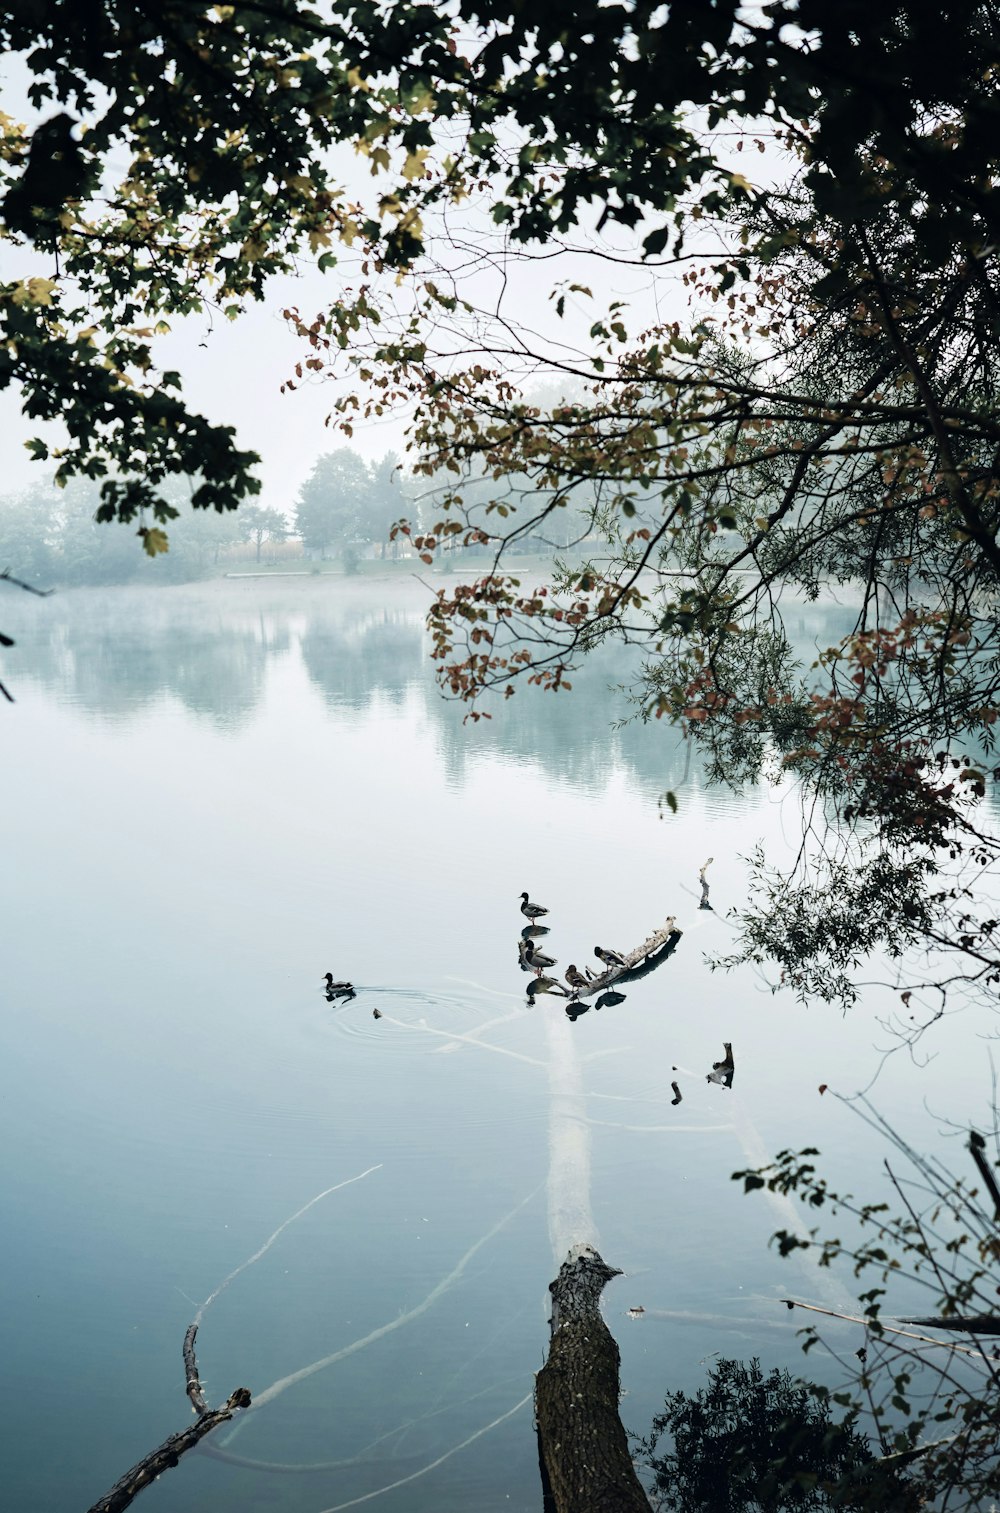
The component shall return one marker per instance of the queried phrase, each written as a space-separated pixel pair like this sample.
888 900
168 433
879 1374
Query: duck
575 977
337 987
545 984
531 911
537 959
610 958
376 1013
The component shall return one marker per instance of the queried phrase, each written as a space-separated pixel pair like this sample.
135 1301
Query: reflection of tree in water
118 652
746 1443
548 728
571 735
358 654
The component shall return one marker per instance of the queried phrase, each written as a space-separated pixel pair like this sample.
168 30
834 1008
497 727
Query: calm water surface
214 796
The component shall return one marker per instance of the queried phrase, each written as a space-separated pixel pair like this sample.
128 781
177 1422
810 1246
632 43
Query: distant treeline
49 536
344 510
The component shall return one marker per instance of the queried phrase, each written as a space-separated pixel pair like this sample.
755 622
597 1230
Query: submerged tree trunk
584 1450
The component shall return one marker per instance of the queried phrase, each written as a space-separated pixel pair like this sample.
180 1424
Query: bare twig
8 577
853 1318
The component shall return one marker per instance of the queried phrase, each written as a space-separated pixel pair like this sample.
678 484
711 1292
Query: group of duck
532 959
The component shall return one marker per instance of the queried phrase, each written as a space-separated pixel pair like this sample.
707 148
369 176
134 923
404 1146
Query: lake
214 795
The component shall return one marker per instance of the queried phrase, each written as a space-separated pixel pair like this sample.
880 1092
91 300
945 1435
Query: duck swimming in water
337 989
529 910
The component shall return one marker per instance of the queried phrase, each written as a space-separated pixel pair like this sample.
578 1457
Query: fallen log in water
582 1446
654 949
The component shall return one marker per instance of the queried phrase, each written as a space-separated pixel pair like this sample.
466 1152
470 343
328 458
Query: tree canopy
345 502
825 417
225 117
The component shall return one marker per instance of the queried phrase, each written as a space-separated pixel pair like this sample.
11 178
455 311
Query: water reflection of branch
8 577
283 1383
271 1238
467 982
491 1024
432 1465
668 1129
363 1457
482 1045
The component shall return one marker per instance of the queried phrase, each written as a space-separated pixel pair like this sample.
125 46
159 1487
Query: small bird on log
609 958
529 910
575 977
537 959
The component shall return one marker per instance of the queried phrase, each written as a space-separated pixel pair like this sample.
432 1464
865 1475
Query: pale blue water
215 795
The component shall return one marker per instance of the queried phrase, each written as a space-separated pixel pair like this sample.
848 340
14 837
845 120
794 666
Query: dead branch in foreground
128 1487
